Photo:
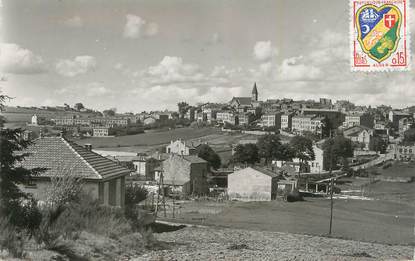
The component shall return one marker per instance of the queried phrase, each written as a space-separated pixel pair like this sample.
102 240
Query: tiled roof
194 159
59 157
243 100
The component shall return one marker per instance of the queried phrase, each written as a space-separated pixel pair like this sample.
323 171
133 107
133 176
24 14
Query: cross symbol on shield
389 20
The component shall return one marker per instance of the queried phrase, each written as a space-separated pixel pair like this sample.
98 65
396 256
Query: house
243 118
286 121
334 116
316 166
149 120
404 152
404 124
227 116
191 114
100 132
359 134
142 166
253 184
102 178
186 174
271 120
311 123
181 148
394 117
28 135
358 119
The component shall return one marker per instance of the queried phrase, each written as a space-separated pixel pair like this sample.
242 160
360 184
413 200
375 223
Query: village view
170 130
261 165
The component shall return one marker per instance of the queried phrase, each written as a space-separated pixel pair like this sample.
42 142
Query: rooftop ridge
81 157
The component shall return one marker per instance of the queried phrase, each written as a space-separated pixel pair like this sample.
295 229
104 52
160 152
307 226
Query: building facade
180 147
271 120
186 174
100 132
102 178
358 119
311 123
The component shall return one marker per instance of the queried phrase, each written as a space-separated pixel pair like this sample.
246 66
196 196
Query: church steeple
254 96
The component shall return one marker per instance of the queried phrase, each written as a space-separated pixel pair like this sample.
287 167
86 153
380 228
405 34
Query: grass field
149 138
371 221
399 169
219 141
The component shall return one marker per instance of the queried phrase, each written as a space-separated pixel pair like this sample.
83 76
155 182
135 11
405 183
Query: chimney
88 147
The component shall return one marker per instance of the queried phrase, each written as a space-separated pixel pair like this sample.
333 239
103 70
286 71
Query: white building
181 148
100 132
286 121
34 120
271 120
311 123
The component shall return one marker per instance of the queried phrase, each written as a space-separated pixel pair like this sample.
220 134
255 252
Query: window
30 183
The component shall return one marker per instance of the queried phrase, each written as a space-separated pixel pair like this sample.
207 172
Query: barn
253 184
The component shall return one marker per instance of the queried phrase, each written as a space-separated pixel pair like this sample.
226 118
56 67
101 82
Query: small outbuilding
253 184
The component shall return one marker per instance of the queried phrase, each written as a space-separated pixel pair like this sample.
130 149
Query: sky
150 55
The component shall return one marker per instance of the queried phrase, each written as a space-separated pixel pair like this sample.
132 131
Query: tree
286 152
78 106
269 147
378 144
302 148
205 152
246 154
327 127
409 135
19 207
335 151
109 112
183 108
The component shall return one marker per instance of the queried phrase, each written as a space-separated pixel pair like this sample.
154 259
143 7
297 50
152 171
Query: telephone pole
331 184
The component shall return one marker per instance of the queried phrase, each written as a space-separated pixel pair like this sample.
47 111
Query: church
245 103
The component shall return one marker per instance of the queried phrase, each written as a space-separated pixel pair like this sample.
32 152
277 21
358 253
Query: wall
250 185
198 176
178 147
176 170
40 190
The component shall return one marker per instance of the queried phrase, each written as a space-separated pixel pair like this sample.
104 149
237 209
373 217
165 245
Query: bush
11 238
24 214
88 215
135 194
294 195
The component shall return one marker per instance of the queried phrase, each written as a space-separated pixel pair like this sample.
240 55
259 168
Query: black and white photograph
158 130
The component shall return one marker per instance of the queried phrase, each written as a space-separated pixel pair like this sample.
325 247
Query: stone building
252 184
186 174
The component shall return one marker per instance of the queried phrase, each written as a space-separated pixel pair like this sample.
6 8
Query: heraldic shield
378 30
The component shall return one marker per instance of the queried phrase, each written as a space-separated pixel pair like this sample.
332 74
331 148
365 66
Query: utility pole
331 185
158 194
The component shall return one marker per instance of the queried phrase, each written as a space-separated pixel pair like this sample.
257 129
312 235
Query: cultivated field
221 142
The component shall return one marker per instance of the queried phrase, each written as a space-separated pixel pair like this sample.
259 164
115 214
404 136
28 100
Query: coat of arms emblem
379 33
378 30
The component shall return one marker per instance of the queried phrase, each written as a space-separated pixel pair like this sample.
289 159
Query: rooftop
60 156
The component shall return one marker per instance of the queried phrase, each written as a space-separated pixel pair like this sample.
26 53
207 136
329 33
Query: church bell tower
254 96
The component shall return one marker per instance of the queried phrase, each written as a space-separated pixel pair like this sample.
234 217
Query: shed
253 184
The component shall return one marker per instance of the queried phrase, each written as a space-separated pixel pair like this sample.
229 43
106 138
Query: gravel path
203 243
